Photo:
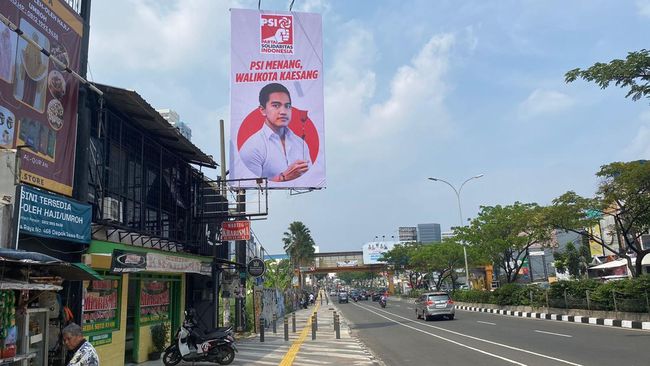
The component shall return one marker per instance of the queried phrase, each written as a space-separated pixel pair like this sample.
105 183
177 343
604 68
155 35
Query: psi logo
276 34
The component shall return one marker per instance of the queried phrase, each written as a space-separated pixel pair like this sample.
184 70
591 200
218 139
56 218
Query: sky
413 89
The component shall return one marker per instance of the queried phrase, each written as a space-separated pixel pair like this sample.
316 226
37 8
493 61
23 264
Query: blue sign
53 216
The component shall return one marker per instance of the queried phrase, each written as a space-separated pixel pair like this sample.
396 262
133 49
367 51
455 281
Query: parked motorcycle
193 344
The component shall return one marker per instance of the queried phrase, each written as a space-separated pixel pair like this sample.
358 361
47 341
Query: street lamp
460 215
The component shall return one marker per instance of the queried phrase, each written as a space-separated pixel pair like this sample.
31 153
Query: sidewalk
301 349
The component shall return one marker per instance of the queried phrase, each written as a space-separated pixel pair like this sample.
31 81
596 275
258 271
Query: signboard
53 216
38 99
374 250
348 263
236 230
126 262
154 301
256 267
101 339
100 305
277 110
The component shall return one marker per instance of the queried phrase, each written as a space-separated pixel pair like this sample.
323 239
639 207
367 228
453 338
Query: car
435 304
333 293
363 295
343 297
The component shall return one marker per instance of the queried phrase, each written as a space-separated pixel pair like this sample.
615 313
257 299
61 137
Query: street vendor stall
29 306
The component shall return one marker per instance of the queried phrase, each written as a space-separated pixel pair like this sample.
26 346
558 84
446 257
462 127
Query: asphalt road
396 337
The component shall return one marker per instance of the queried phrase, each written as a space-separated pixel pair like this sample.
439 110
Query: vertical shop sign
154 301
100 306
38 99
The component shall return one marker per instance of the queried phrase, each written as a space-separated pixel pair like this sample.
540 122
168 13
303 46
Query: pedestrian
83 353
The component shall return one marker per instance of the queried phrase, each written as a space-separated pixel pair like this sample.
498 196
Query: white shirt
263 154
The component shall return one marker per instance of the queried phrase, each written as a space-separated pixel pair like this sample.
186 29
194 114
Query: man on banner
276 152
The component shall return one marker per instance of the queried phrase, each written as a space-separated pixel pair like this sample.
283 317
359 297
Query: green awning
89 271
73 271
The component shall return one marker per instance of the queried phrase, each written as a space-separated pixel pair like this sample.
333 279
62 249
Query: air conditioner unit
112 209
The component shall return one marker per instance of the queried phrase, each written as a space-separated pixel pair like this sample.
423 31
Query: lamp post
460 215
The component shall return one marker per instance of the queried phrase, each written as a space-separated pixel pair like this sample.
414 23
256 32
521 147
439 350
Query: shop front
141 289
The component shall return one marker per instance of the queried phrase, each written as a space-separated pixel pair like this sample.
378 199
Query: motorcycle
382 302
193 344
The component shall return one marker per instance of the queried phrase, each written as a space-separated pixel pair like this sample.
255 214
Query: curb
631 324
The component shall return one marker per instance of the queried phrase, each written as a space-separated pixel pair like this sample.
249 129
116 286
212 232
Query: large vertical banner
38 99
276 101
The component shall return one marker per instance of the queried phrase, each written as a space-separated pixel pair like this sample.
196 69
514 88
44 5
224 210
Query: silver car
433 304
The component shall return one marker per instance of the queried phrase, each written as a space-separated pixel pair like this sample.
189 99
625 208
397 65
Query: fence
592 300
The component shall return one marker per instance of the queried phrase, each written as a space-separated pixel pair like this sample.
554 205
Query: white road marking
484 340
488 323
557 334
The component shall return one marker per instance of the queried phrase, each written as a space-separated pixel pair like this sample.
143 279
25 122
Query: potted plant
159 339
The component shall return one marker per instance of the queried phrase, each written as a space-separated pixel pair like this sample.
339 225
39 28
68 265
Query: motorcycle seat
211 335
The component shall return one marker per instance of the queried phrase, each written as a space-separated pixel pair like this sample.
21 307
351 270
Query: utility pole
240 253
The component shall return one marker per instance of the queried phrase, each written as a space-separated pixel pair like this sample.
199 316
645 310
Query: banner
100 305
125 262
276 101
154 301
236 230
38 99
52 216
373 251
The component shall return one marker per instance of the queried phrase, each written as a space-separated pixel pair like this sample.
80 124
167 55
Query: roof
612 264
148 119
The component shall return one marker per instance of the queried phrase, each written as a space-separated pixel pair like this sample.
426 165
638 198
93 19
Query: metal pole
566 303
614 297
275 319
261 329
313 327
588 300
293 322
647 301
316 320
286 328
337 326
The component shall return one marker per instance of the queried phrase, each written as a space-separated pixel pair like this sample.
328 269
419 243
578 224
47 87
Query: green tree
278 274
299 244
401 259
572 261
632 73
440 258
503 235
622 200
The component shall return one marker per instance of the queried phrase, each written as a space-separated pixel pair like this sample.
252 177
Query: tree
299 244
442 258
633 73
400 257
572 261
278 274
503 235
621 207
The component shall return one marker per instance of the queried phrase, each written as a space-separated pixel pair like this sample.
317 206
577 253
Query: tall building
174 119
429 233
408 233
447 234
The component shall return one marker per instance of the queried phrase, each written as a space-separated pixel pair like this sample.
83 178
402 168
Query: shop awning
613 264
54 266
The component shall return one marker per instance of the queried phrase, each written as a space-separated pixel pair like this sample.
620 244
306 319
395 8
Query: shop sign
100 305
348 263
154 301
236 230
256 267
125 262
38 108
101 339
53 216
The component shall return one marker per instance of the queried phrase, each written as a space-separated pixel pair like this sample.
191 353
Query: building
174 119
429 233
447 234
408 233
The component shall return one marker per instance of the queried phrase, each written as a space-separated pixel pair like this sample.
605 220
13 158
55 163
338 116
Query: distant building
174 119
447 234
408 233
429 233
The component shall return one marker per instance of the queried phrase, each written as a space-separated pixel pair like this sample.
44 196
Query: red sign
236 230
276 33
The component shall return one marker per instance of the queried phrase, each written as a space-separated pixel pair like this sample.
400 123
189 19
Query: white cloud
156 37
541 102
639 147
644 8
416 92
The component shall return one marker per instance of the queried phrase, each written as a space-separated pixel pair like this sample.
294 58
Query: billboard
236 230
374 250
276 98
38 99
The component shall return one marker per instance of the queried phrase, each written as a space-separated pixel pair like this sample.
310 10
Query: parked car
432 304
343 297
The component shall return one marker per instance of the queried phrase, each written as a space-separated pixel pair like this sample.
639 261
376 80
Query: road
396 337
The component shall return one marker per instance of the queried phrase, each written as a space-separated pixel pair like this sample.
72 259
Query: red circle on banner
300 124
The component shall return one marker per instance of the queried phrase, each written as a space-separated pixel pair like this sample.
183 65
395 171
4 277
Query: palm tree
299 244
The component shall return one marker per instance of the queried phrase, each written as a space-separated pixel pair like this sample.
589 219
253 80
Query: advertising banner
52 216
154 301
374 250
125 262
38 99
100 306
236 230
276 85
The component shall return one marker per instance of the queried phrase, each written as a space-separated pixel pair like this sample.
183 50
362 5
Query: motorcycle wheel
172 356
226 355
